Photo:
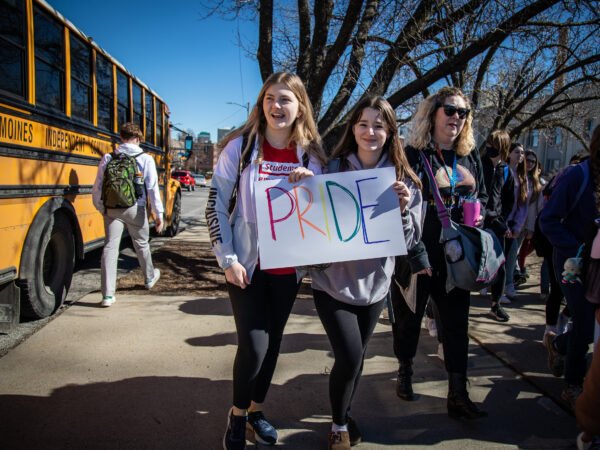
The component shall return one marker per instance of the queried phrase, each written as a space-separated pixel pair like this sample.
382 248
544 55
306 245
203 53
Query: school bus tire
173 229
47 267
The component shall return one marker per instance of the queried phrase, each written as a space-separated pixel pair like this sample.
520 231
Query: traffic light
189 142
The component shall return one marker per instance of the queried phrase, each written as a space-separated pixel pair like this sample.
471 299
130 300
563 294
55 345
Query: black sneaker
497 313
353 432
235 435
264 432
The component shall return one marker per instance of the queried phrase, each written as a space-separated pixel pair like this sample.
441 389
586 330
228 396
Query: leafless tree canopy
525 63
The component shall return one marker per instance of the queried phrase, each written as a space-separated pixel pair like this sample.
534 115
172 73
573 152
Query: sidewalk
154 372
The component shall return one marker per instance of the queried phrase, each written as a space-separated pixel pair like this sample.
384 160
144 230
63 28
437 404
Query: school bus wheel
47 267
173 229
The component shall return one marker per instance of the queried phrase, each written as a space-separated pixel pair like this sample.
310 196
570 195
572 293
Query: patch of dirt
186 268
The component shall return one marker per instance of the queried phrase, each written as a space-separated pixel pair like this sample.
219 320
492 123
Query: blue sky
194 64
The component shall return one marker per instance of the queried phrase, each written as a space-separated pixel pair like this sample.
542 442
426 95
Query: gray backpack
473 256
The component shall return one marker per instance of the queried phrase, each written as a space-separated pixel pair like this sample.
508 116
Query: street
86 278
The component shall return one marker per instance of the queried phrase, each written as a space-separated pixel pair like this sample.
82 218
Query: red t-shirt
278 163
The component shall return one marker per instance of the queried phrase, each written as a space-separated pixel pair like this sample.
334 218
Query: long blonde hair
521 175
534 174
304 129
423 123
393 146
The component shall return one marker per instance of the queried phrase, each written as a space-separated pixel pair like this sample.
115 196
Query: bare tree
503 53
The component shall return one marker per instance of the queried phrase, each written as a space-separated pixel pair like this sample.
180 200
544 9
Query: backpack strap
506 169
586 178
333 165
244 162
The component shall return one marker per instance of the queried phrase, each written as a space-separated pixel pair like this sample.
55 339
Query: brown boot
339 440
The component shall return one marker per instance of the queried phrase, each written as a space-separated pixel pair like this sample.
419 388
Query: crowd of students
350 296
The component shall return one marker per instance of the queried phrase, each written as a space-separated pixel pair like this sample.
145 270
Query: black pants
349 329
260 312
453 309
554 299
497 288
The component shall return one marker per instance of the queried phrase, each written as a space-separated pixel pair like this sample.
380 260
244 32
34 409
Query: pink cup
471 211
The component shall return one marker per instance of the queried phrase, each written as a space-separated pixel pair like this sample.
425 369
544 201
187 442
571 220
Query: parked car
185 178
200 180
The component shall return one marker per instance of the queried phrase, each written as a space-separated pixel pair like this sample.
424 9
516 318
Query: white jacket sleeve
217 206
151 183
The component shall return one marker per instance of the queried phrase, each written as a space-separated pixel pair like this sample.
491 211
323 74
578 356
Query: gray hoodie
367 281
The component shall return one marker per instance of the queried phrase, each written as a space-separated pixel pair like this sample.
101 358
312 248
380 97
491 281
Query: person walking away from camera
282 139
442 132
535 186
134 218
499 184
568 223
516 218
349 296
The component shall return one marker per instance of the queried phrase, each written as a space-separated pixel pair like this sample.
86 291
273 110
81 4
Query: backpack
541 244
473 256
119 189
244 162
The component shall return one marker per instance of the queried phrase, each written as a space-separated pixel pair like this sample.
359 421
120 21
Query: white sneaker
150 284
431 327
440 351
504 300
107 300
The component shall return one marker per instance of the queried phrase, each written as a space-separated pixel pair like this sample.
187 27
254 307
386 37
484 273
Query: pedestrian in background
135 218
516 218
569 222
535 186
499 184
442 132
280 132
350 295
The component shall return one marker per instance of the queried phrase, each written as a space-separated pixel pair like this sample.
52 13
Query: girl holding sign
442 132
349 296
282 140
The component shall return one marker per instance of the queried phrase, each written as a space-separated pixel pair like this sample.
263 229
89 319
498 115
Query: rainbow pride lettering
334 190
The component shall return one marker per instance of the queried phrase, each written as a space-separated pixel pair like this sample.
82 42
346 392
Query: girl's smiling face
370 133
280 107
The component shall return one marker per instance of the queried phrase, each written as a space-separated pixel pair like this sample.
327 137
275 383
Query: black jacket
500 186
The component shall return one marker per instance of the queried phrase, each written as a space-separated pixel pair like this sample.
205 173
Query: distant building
222 132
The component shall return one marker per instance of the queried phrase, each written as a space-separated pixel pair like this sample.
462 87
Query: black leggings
453 309
349 328
554 299
260 312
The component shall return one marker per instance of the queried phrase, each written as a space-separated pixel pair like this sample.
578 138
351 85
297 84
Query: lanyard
452 178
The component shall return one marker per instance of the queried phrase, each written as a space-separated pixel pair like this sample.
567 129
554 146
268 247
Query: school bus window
49 62
81 80
122 98
159 124
137 105
12 47
149 118
104 80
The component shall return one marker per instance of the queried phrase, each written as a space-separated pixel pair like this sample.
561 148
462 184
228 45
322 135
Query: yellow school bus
62 101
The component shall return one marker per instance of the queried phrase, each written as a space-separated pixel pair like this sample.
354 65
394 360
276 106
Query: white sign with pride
328 218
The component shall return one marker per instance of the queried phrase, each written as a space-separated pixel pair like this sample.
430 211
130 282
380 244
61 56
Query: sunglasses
450 110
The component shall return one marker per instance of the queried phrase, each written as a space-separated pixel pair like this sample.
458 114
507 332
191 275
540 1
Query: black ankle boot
404 388
459 403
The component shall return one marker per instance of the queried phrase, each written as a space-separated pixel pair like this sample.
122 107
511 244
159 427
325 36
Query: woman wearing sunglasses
442 133
516 218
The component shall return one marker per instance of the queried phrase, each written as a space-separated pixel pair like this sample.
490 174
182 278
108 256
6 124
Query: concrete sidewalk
154 372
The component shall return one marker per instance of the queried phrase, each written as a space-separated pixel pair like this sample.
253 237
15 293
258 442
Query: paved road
86 278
